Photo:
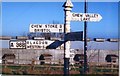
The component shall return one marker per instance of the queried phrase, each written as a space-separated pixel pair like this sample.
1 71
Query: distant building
8 58
111 58
5 37
45 58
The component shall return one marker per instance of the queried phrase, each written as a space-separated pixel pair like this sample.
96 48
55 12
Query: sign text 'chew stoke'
90 17
47 28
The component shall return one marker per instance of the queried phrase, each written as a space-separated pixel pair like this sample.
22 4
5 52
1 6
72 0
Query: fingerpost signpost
85 17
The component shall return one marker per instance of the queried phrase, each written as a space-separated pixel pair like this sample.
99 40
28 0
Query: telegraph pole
67 10
85 39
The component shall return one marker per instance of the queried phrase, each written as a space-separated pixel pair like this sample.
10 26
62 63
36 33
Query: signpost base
66 66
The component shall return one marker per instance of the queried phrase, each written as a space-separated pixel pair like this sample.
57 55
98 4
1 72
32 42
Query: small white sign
17 44
90 17
37 44
47 28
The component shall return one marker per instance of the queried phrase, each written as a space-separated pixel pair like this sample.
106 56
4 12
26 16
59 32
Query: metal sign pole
85 39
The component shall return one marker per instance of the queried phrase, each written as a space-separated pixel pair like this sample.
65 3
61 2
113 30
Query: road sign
55 44
91 17
47 28
17 44
38 44
74 36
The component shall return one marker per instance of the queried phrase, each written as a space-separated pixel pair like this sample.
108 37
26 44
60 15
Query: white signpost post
69 16
47 28
67 10
89 17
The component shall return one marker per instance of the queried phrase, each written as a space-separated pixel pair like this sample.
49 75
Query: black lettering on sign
86 19
39 46
40 26
56 26
60 30
33 42
17 44
48 30
11 45
36 42
45 26
40 30
60 26
96 15
32 26
28 46
46 42
77 15
20 44
36 26
87 15
35 30
80 15
42 42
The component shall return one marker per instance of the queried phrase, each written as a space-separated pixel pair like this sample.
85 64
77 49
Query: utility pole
85 39
67 10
